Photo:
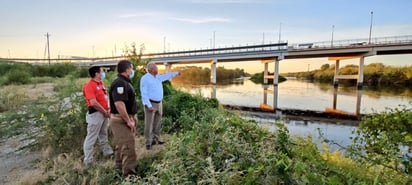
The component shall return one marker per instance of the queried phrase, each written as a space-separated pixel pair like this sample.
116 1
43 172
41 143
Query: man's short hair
93 70
123 65
150 66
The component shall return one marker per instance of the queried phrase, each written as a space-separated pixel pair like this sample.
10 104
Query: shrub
17 76
381 137
230 150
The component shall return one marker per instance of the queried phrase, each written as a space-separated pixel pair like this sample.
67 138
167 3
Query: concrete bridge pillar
335 78
213 91
213 71
360 72
276 74
265 73
168 67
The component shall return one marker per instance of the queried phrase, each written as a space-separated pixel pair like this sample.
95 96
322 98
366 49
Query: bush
181 111
229 150
17 76
386 139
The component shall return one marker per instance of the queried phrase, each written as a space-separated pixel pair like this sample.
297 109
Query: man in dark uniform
123 118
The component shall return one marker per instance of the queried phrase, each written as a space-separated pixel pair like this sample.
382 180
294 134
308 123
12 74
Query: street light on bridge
370 29
331 42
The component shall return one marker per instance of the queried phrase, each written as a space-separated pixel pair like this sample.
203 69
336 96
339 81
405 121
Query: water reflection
335 101
336 130
302 95
264 105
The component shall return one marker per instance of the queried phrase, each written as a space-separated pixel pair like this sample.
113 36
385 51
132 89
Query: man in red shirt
97 115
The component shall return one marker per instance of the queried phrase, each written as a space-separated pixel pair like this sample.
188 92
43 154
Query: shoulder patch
120 90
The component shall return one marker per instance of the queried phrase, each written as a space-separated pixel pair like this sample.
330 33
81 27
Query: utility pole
370 29
48 46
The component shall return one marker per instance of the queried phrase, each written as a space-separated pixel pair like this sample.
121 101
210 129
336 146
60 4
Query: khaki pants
125 154
96 130
152 122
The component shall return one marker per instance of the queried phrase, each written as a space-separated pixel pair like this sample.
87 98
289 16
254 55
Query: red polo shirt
95 90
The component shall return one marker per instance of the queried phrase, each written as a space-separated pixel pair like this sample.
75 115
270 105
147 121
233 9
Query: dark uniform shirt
122 90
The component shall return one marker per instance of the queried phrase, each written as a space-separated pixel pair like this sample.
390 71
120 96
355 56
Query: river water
303 95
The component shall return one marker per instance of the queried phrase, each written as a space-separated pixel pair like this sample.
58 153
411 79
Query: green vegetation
208 144
258 78
199 75
375 74
386 140
22 73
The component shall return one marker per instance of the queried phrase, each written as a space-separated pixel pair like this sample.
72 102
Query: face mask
103 75
131 75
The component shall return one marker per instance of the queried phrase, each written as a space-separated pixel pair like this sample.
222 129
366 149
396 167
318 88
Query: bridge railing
239 49
353 42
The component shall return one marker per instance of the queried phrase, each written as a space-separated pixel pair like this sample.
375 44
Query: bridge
269 53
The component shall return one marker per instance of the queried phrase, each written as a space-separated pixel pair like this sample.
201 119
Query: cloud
201 20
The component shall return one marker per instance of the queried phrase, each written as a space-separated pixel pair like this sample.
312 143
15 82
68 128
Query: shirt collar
125 78
98 83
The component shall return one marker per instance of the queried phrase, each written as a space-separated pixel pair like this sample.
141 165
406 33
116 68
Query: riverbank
294 113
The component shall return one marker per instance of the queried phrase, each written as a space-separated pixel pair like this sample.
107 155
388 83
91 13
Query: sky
99 28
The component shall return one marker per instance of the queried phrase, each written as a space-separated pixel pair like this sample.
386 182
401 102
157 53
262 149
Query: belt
153 101
118 115
92 110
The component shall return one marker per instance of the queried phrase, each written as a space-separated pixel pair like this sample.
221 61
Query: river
303 95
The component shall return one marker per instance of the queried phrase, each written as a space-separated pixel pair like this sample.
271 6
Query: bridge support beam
265 73
335 77
168 67
360 72
276 74
213 71
358 77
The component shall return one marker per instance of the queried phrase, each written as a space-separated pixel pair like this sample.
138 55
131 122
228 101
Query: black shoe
148 147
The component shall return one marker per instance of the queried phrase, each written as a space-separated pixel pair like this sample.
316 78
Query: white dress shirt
151 87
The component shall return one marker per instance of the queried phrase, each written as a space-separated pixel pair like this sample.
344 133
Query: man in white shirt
151 90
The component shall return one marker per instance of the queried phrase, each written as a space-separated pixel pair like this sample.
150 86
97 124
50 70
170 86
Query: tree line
200 75
375 74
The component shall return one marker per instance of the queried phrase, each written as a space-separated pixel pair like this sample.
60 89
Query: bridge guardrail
353 42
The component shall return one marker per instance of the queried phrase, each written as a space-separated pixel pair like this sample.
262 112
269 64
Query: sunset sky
103 27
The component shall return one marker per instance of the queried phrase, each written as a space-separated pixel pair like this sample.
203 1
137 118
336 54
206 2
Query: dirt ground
17 165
